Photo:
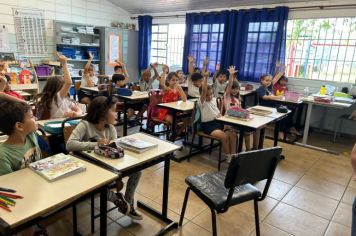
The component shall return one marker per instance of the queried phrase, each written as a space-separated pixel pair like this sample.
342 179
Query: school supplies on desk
110 151
135 145
258 111
6 198
57 166
7 190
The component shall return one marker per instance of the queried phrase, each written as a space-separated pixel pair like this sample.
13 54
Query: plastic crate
43 70
67 51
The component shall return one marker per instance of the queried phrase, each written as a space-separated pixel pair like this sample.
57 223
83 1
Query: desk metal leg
306 133
103 211
307 124
275 138
241 141
261 138
162 215
173 126
124 131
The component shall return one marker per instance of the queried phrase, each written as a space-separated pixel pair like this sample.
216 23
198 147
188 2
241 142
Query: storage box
292 96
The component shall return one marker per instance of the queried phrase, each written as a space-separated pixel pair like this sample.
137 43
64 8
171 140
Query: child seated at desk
172 92
120 68
181 77
209 111
120 82
280 87
98 128
5 86
146 80
194 80
219 85
88 80
53 101
231 99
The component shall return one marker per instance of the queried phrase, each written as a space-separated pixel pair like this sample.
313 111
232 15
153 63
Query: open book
57 166
134 144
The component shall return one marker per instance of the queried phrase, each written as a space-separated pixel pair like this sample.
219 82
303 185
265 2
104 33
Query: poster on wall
114 49
4 40
30 32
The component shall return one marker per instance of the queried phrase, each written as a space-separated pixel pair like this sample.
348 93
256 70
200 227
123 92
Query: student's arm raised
217 69
232 76
190 65
279 75
67 79
204 88
182 95
205 65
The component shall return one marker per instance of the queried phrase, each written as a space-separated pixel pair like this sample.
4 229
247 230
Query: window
261 39
207 42
167 45
322 49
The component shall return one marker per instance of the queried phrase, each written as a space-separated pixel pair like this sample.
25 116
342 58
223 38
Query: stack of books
57 166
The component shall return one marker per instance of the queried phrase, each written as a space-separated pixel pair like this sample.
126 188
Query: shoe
228 159
122 205
134 214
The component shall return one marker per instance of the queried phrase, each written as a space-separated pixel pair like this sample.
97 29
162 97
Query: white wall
95 12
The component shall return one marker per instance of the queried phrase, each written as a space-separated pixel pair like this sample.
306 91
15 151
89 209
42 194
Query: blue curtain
144 41
204 38
254 41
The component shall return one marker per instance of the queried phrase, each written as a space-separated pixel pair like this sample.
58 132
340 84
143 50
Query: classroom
178 117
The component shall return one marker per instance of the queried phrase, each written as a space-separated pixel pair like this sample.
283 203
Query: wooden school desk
310 101
174 108
133 162
294 104
93 90
257 122
42 197
136 97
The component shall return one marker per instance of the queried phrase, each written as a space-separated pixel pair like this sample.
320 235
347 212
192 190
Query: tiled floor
311 194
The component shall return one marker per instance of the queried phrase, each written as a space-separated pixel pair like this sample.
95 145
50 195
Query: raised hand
63 59
190 59
278 64
284 68
91 55
217 67
206 61
232 70
206 74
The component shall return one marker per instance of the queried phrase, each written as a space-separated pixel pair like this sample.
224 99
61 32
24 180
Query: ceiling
161 6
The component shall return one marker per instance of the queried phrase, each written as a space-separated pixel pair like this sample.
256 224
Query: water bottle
322 90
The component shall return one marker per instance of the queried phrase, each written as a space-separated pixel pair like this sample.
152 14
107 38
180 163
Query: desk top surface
256 121
133 159
136 95
310 100
179 105
41 196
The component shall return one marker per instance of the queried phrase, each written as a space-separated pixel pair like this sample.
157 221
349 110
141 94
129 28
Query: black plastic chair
221 190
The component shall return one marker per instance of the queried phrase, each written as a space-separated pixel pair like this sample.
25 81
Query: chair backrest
220 104
253 166
67 130
155 97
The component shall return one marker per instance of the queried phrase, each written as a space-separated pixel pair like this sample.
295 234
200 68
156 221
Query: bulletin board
114 48
30 32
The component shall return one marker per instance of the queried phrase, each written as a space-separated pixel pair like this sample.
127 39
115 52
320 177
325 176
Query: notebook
57 166
135 145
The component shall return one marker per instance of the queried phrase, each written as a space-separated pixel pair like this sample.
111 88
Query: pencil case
238 113
110 151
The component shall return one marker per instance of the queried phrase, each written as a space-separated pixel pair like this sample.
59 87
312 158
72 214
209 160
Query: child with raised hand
53 101
120 68
146 80
98 128
172 92
194 80
280 87
219 84
264 92
88 80
232 99
209 111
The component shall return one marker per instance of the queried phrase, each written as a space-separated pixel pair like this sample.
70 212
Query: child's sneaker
122 205
134 214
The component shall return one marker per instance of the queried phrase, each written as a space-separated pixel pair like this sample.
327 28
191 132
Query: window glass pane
215 28
163 28
204 37
266 26
205 28
154 28
253 26
214 37
203 46
196 28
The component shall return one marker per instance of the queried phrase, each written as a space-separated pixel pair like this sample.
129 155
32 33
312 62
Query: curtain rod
291 8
